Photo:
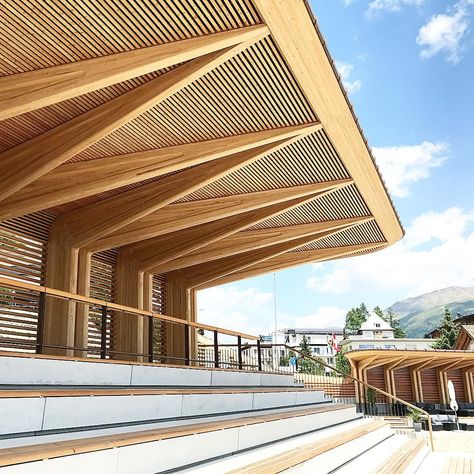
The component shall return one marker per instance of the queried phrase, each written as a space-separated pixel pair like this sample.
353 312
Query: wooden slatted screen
159 306
456 377
429 383
403 384
376 377
23 247
102 286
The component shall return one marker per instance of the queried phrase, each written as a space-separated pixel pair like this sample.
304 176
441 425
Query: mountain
421 314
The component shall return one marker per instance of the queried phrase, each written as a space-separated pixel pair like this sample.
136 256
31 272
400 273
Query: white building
319 340
376 333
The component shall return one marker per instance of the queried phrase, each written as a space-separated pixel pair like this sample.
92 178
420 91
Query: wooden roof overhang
209 138
426 359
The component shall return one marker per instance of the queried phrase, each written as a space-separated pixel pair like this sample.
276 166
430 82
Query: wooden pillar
81 332
415 386
180 303
468 385
61 274
129 330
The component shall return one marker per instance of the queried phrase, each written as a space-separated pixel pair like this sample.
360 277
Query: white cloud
437 252
325 316
246 310
345 70
401 166
347 2
378 6
251 311
444 33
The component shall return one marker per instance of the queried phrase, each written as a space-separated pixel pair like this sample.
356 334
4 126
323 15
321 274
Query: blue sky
408 66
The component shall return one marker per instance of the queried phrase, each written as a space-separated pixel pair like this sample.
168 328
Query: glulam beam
290 260
30 160
206 272
245 241
179 216
29 91
71 181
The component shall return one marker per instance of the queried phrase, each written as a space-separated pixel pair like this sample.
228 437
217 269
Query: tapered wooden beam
178 216
289 260
150 254
246 241
72 181
206 272
92 222
300 42
28 161
28 91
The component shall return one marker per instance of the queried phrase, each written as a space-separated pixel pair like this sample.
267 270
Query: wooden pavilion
152 149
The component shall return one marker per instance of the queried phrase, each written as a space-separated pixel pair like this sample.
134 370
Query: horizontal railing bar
118 307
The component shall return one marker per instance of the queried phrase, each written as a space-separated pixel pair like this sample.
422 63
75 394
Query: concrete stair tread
295 456
97 392
38 452
401 459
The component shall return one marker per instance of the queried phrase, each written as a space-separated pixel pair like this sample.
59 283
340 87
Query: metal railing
24 311
342 387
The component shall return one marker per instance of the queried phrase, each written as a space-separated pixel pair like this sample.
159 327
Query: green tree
378 311
355 317
448 332
307 365
392 319
342 363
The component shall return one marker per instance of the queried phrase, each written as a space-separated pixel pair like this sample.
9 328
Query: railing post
216 350
40 326
186 344
103 333
259 355
151 321
239 350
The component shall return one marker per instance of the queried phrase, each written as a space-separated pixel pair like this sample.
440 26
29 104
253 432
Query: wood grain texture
22 93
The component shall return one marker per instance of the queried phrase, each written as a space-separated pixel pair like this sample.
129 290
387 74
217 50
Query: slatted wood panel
403 384
23 251
360 234
240 96
46 33
456 377
159 306
102 286
429 383
376 377
314 158
341 204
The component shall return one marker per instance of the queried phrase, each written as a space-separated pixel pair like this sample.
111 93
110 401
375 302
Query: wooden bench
458 465
23 454
304 453
402 458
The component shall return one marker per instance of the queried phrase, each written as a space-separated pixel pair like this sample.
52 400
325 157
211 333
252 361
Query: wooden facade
417 376
149 151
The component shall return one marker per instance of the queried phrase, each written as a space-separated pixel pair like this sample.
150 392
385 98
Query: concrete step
19 370
153 451
46 412
322 451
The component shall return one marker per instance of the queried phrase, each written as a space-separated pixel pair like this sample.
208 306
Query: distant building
465 340
376 333
462 320
323 342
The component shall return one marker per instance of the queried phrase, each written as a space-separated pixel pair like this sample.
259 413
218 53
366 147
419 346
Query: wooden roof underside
415 359
149 125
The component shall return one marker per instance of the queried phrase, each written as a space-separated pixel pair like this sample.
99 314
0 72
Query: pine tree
342 364
306 365
378 311
448 332
391 319
355 317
